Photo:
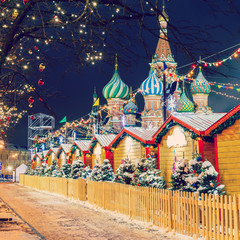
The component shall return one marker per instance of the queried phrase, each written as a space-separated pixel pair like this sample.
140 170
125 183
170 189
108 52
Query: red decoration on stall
31 100
40 82
32 117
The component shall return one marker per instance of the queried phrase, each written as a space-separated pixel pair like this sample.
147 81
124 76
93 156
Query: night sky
74 88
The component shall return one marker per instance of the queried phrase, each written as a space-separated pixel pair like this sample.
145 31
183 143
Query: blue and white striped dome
130 108
152 85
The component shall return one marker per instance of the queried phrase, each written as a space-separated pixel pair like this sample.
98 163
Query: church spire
163 51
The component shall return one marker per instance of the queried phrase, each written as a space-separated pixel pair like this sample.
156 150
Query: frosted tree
202 177
180 173
77 169
54 169
147 175
86 172
96 174
66 170
107 171
124 173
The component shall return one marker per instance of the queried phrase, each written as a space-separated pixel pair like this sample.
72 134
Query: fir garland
194 135
94 142
126 134
225 125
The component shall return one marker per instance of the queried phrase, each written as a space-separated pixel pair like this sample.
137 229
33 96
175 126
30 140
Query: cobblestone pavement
55 217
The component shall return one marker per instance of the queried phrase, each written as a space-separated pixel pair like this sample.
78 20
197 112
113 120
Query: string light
224 94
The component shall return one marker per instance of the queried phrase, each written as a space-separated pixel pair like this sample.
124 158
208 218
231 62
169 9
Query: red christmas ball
31 100
35 47
40 99
32 117
40 69
3 133
40 82
170 74
8 118
25 1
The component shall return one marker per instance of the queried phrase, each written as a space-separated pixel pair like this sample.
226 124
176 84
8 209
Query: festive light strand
224 94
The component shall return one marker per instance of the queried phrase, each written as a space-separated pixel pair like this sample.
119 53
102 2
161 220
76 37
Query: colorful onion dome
152 85
200 85
116 88
130 108
187 105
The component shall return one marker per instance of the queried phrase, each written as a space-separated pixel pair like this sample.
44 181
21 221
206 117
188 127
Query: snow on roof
45 153
145 134
105 140
199 121
83 145
54 150
66 148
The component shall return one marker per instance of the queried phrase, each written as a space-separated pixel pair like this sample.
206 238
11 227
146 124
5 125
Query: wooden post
169 210
200 148
216 156
236 223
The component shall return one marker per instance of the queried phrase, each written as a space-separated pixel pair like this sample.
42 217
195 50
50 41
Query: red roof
142 134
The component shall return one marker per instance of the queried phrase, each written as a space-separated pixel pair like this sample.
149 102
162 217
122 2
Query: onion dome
130 108
185 103
152 85
200 85
116 88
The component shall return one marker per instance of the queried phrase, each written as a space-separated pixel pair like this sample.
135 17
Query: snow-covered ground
56 217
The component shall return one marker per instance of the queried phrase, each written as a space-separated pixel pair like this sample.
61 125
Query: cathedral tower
200 89
163 51
151 89
116 92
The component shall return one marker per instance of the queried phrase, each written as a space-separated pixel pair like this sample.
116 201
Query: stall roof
198 123
144 135
104 140
83 145
65 147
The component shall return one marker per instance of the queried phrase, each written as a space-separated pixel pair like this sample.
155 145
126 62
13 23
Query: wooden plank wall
137 151
228 143
167 154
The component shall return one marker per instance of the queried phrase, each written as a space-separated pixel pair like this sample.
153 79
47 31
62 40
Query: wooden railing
211 217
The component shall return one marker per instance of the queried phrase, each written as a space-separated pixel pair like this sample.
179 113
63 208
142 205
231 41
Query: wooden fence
70 188
211 217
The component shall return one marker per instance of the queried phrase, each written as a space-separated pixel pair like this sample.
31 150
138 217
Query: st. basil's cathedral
116 92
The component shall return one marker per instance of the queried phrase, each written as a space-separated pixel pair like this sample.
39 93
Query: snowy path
57 218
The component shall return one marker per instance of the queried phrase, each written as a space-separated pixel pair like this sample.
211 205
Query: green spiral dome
116 88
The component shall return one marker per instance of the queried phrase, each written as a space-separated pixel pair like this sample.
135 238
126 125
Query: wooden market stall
37 160
62 154
51 155
182 135
227 146
80 150
100 149
134 143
